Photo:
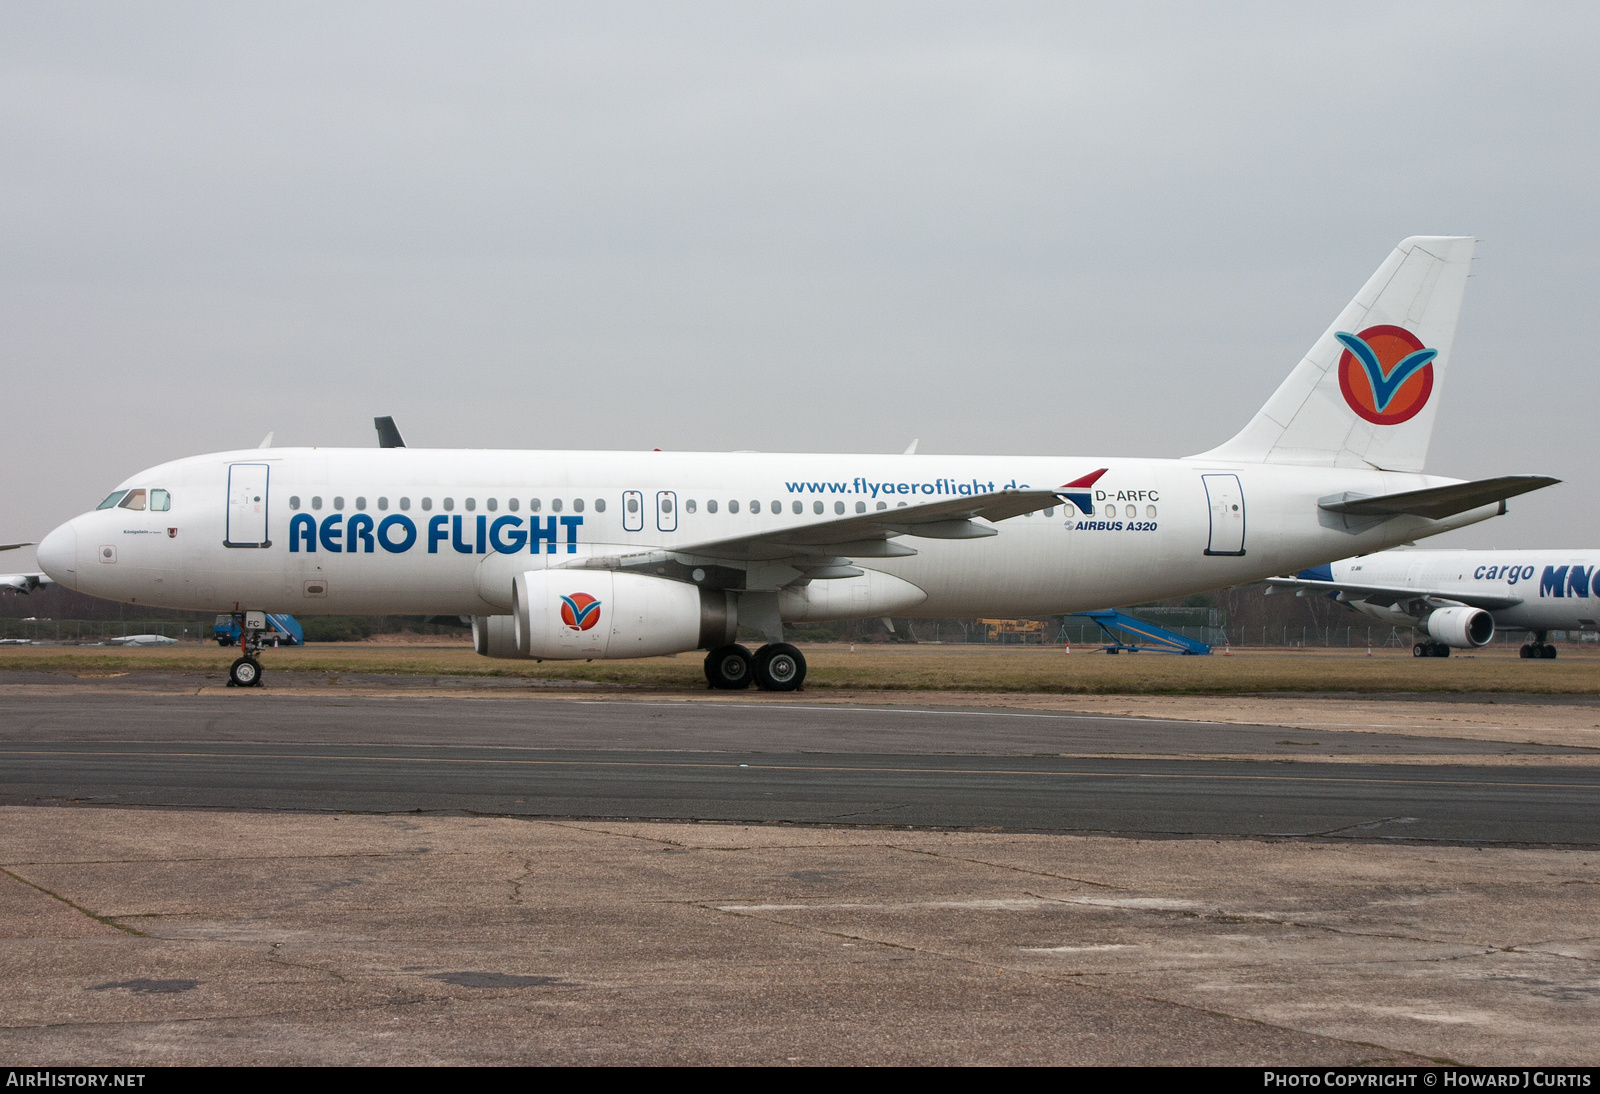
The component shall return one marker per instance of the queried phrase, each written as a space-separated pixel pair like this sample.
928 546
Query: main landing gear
1539 648
1430 649
776 666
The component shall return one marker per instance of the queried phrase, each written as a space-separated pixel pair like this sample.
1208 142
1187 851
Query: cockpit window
111 499
160 501
134 500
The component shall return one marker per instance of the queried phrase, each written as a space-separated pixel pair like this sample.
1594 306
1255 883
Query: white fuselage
1557 590
444 532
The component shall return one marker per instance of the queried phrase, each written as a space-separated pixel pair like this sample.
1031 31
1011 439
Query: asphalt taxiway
365 871
801 762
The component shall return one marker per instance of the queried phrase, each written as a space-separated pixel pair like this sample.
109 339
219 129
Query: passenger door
632 511
247 506
666 511
1226 499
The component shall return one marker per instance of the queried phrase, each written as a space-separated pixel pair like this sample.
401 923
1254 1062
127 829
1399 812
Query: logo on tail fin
1385 373
1078 493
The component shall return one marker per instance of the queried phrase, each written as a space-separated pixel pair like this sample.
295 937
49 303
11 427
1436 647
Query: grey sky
996 227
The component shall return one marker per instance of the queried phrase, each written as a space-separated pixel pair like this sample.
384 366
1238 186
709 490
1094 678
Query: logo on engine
580 611
1385 373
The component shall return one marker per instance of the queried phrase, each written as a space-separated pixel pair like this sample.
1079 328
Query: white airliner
583 555
143 640
1458 599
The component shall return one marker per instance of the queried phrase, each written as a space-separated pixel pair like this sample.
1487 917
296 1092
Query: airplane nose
58 555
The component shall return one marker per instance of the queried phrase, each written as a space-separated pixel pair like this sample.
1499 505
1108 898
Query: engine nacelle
1463 628
495 636
565 615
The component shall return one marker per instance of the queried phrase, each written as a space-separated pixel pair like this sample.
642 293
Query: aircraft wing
24 583
1386 595
824 548
1436 502
14 546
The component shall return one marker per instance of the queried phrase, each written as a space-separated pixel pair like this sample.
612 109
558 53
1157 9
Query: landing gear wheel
1548 653
244 673
1526 651
728 668
1441 650
1421 650
779 667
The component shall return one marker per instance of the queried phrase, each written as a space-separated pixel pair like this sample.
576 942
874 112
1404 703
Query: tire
1420 650
1525 652
244 673
1441 650
779 667
728 668
1548 653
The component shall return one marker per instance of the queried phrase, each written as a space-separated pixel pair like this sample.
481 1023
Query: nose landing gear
253 631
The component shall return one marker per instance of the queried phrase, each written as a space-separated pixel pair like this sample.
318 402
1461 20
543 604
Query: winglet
1087 481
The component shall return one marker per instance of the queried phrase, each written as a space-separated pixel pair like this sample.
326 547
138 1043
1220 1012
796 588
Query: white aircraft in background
1458 599
143 640
22 583
583 555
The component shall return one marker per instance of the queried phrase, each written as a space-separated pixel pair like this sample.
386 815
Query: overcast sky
1035 229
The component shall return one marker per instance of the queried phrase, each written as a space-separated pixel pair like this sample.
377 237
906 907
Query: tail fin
1366 394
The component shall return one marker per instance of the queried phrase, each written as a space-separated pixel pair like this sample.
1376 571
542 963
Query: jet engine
565 615
1463 628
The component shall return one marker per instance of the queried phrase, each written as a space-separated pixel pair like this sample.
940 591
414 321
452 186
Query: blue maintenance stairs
285 629
1157 639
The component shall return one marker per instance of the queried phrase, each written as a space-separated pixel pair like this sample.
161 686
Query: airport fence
99 630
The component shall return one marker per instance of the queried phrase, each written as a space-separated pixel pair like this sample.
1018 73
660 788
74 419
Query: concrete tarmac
380 877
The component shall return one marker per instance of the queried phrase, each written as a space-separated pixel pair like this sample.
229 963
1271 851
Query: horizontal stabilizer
1436 502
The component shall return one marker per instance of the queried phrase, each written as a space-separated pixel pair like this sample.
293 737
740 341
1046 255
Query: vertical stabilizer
1366 394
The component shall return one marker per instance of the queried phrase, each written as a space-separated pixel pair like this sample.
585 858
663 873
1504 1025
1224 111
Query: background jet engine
1463 628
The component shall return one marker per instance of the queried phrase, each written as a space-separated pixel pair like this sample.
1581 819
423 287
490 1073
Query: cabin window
383 504
599 505
1111 512
633 505
755 507
816 507
405 503
733 507
472 504
666 505
690 506
777 507
861 507
294 501
1050 511
338 504
711 506
316 502
512 504
1150 511
555 505
492 505
111 499
533 505
798 507
577 505
882 505
361 505
449 504
427 504
160 501
1132 511
133 500
838 508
